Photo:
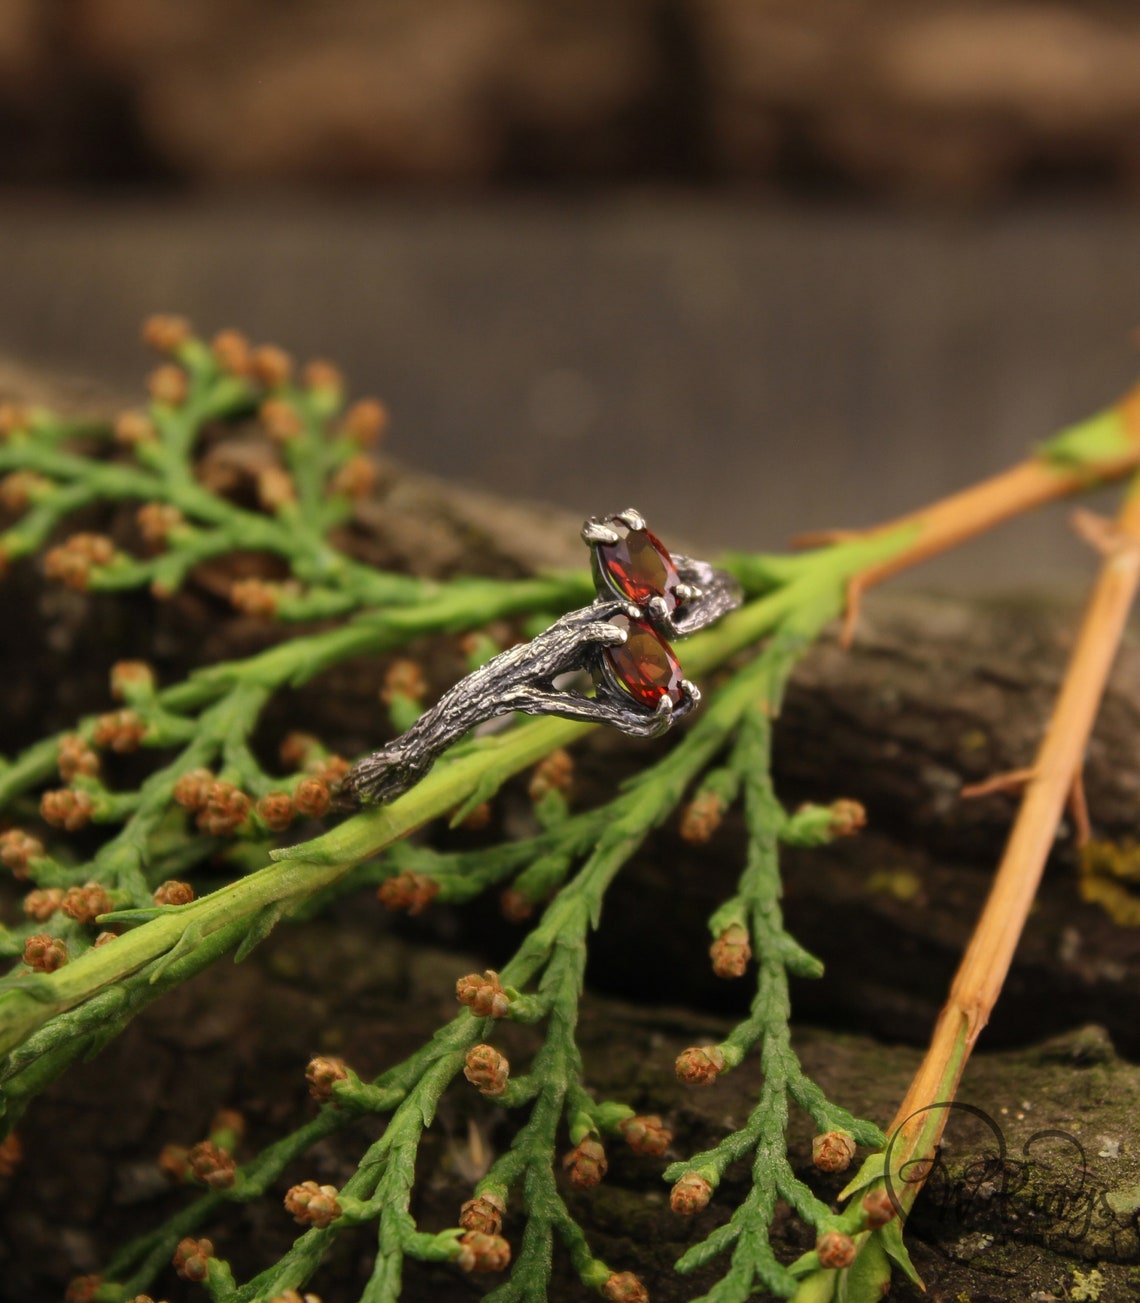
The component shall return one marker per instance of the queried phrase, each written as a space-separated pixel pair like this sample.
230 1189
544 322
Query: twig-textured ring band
645 595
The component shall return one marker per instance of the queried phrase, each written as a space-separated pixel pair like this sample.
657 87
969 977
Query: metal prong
687 592
664 706
657 606
691 690
594 531
632 517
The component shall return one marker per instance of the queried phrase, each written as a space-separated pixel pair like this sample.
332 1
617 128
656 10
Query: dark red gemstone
638 566
644 664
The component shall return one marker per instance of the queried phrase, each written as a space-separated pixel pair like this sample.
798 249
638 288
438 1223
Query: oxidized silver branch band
644 595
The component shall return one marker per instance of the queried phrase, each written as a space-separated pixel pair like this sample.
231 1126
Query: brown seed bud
516 906
228 1122
554 773
311 1204
157 521
168 385
411 891
331 769
255 597
165 332
586 1163
174 1163
479 1252
193 788
624 1287
281 420
132 428
20 489
173 892
86 903
878 1207
119 730
231 352
225 810
191 1258
275 488
403 678
700 1065
211 1165
104 938
833 1151
701 818
484 1214
847 817
484 996
835 1250
276 808
321 374
11 1154
17 850
130 679
731 951
74 756
45 953
311 798
13 417
82 1289
68 808
323 1072
271 365
690 1195
43 903
486 1069
73 560
365 421
479 817
356 478
296 749
646 1135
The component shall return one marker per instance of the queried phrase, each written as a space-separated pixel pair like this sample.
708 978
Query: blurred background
753 266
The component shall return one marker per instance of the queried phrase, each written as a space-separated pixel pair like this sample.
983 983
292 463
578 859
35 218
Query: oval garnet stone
644 664
638 566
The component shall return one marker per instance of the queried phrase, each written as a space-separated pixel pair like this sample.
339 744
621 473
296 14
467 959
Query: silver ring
645 595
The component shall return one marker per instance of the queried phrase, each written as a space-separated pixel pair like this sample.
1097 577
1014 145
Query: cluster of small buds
224 811
275 488
554 773
847 817
281 420
690 1195
227 1127
486 1069
297 749
330 769
168 385
11 1154
586 1163
310 1204
311 798
409 891
191 1258
134 428
624 1287
646 1135
276 809
131 680
231 352
365 422
45 953
481 1252
833 1151
835 1250
484 1214
165 332
879 1207
516 906
42 903
85 904
157 521
699 1065
13 417
74 756
323 1073
484 996
357 478
403 678
731 951
255 597
701 818
174 1163
323 376
20 489
119 730
192 789
173 892
69 808
271 365
17 850
212 1165
73 560
82 1289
